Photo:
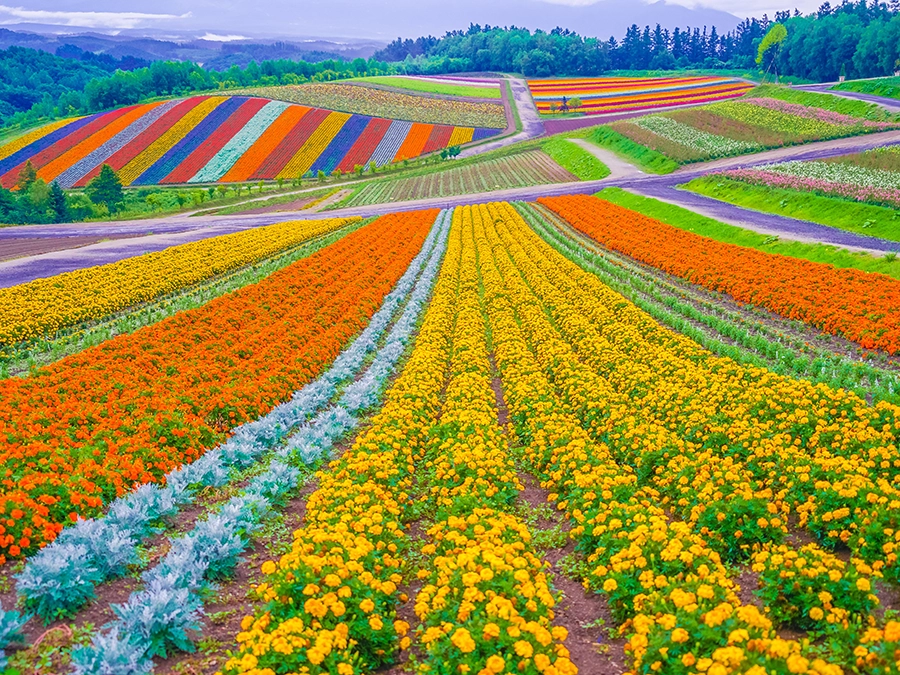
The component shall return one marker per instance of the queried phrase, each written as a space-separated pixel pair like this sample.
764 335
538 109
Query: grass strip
575 159
635 153
692 222
844 214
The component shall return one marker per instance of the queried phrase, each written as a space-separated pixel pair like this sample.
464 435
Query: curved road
892 105
157 234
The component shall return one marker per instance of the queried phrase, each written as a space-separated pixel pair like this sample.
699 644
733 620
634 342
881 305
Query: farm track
201 227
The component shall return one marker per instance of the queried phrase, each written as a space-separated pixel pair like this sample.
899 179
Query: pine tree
106 189
59 207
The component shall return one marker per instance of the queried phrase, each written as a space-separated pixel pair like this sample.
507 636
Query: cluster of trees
89 88
33 201
35 80
856 38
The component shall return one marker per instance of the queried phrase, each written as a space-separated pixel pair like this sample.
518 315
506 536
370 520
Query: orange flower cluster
861 306
91 426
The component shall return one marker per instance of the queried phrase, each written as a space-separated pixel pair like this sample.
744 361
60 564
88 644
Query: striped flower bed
221 139
624 94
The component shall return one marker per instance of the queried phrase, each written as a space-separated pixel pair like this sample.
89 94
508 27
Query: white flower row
691 137
161 615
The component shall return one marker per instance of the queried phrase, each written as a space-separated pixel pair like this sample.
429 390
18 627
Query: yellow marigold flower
610 585
268 567
680 635
495 664
863 585
491 631
367 605
523 649
816 614
345 669
463 641
892 631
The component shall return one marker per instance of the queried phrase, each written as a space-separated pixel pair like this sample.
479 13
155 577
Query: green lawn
707 227
575 159
428 87
868 219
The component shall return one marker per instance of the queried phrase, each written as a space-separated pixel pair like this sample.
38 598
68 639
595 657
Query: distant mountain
338 21
217 52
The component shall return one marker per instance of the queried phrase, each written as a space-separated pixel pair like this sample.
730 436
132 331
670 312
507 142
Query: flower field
872 176
361 100
740 126
605 95
84 430
210 139
727 518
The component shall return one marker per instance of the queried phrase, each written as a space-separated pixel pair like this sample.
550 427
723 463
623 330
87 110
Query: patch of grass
889 87
867 219
512 104
844 106
430 87
707 227
575 159
647 159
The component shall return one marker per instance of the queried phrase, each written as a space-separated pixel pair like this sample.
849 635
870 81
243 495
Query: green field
427 87
844 214
714 229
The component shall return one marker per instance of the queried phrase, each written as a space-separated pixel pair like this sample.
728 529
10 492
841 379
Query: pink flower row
860 193
815 113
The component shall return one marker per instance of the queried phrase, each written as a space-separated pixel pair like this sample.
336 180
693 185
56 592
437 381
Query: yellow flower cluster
42 307
879 650
486 607
341 576
686 614
812 589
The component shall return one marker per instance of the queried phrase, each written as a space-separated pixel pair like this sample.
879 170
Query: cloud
107 20
213 37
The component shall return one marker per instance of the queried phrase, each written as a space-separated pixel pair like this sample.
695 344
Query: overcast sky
382 19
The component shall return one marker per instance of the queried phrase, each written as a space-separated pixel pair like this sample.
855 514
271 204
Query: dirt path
618 167
532 126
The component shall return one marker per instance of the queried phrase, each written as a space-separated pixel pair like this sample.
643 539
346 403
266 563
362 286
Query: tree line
856 39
